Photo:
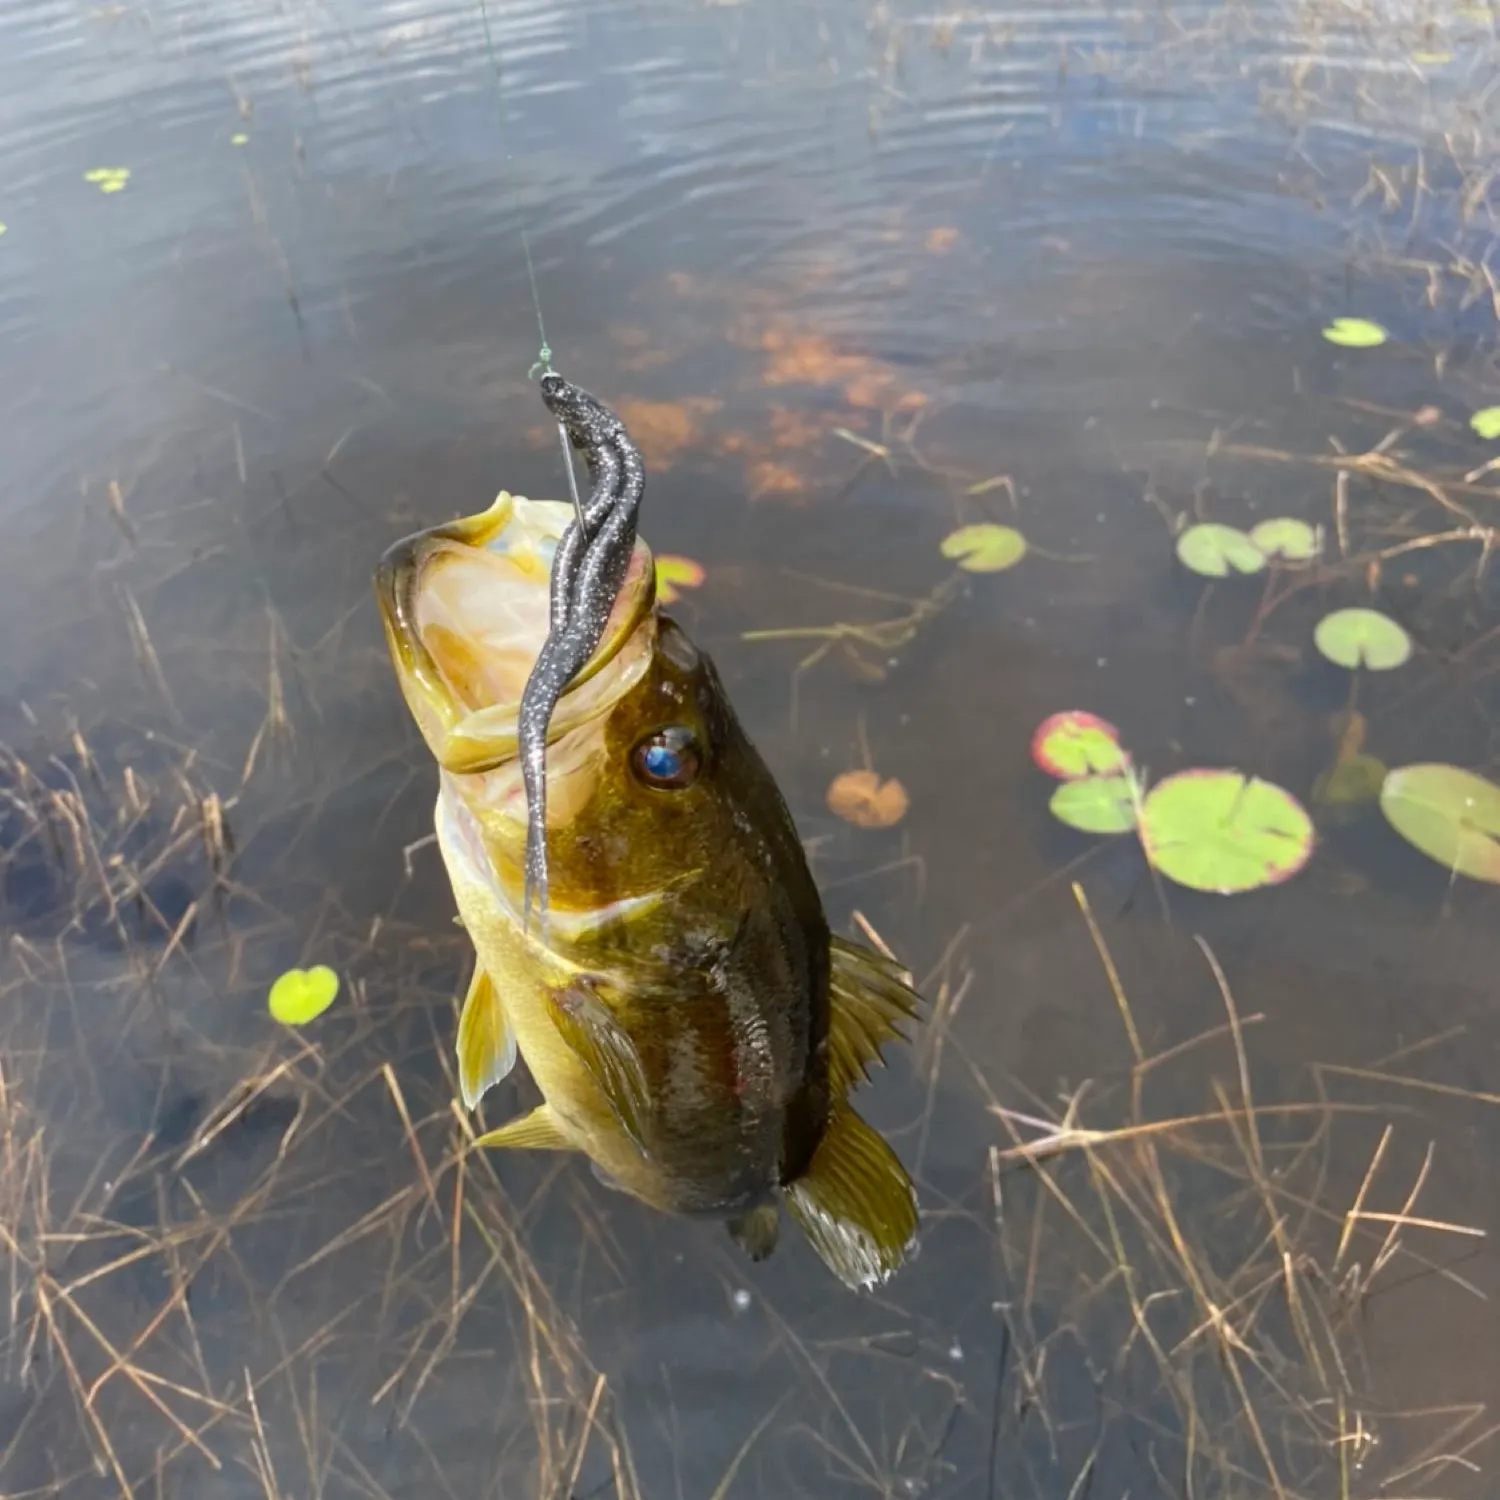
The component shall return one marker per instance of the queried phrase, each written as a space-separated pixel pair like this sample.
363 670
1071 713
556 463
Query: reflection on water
853 276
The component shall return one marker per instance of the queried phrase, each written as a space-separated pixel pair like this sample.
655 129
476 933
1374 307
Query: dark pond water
1067 266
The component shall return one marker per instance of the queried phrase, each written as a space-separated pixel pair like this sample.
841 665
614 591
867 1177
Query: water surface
1075 258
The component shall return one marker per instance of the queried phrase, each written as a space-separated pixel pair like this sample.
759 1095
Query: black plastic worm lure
588 570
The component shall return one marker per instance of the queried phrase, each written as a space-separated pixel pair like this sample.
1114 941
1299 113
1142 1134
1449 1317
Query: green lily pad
1362 638
1451 815
108 179
1076 743
1217 551
673 574
1095 804
1355 333
1487 422
1287 539
239 138
1222 832
985 547
302 995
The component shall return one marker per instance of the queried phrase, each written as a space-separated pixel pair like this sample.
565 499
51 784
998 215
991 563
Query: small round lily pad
1355 333
862 798
302 995
1223 832
1362 638
985 547
108 179
1286 539
673 574
1487 422
1217 551
1451 815
1095 804
1075 743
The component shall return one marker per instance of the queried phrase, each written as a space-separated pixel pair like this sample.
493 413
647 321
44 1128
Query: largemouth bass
692 1025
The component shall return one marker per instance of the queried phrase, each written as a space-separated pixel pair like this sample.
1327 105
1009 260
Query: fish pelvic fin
871 1001
855 1203
538 1131
605 1049
756 1232
486 1040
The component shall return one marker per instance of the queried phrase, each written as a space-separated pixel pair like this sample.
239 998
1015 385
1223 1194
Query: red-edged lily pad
1076 743
673 574
1224 832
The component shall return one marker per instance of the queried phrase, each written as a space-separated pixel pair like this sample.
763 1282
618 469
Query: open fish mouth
466 613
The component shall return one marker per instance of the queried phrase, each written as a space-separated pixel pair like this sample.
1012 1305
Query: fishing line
543 362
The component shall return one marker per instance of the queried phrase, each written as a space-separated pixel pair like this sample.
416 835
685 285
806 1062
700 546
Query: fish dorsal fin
537 1131
870 1001
486 1042
855 1203
605 1049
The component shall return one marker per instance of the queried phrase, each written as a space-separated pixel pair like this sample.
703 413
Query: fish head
653 791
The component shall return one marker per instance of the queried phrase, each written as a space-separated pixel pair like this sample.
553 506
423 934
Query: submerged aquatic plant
1350 783
1451 815
862 798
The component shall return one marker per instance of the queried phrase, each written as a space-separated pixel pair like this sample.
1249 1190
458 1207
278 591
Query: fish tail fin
486 1041
855 1203
871 1002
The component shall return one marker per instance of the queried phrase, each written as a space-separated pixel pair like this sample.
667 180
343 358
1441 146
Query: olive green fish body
690 1023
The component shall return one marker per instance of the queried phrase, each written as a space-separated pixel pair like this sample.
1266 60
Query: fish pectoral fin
605 1049
855 1203
537 1131
486 1041
756 1232
870 1001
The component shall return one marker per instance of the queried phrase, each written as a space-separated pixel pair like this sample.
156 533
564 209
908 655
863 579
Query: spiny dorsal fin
486 1043
871 999
537 1131
604 1047
855 1203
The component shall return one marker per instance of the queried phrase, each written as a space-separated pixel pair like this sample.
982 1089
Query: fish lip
472 741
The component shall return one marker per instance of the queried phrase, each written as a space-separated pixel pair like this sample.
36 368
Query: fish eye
669 759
